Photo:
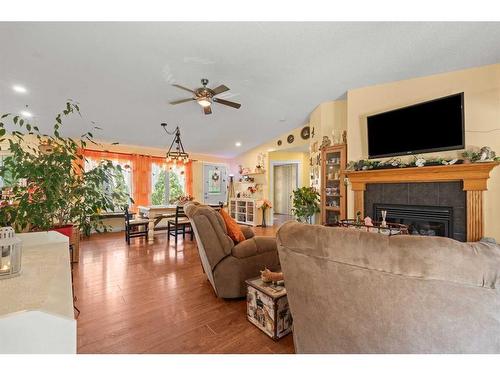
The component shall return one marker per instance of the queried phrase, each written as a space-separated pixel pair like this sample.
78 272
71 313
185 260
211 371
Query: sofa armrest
254 246
247 231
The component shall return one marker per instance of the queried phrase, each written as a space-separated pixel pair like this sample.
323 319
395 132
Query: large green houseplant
305 203
50 187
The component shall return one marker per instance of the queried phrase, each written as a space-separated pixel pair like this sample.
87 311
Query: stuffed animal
268 276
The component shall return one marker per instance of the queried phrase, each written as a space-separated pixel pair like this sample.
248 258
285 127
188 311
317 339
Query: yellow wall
329 118
249 158
482 113
272 151
302 157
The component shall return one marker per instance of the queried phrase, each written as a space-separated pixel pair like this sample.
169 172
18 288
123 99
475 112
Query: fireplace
421 220
462 188
428 208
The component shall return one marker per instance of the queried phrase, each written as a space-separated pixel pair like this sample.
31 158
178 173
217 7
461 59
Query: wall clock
305 133
290 138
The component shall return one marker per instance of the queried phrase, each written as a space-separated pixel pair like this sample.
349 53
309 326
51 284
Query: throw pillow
233 229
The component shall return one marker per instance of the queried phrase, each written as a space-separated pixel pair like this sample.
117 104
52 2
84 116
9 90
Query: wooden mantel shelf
474 176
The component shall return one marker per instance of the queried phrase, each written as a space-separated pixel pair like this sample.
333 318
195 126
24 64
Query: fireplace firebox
430 208
421 220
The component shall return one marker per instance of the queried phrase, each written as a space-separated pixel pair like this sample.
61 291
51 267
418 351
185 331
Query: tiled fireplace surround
444 194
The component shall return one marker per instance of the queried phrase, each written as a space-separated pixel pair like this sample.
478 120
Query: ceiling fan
205 96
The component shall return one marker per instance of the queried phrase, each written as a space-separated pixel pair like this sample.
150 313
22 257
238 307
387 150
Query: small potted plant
470 156
305 203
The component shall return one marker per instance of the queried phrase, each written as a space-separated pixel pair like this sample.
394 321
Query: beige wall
329 118
482 113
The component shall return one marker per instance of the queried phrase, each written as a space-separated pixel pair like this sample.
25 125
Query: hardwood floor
149 299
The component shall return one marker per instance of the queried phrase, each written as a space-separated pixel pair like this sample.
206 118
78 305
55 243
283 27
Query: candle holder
10 253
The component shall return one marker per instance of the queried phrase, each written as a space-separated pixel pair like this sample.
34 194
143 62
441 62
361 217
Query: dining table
155 213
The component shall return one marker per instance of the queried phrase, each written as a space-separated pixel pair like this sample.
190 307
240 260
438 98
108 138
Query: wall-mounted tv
436 125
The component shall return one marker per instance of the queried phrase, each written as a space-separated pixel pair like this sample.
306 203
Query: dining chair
133 226
178 225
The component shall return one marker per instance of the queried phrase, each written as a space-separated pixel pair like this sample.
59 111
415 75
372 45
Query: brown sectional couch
356 292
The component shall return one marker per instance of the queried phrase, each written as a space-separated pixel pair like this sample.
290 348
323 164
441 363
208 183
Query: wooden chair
178 225
133 227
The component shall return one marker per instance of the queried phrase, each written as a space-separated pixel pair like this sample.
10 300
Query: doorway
286 180
214 183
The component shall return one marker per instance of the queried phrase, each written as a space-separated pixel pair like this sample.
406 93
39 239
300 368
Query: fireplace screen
421 220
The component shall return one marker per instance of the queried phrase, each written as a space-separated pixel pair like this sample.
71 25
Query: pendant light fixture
176 151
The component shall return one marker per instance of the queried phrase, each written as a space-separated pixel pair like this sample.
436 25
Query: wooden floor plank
151 299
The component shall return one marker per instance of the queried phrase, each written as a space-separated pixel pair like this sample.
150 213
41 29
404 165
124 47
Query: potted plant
305 203
50 187
470 156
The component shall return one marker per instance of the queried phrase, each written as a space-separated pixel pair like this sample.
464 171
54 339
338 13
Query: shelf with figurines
251 172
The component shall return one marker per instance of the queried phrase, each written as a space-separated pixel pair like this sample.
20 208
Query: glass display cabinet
333 189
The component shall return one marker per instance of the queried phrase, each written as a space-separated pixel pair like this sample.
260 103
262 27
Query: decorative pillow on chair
233 229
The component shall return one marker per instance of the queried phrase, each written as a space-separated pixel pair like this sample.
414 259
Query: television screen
435 125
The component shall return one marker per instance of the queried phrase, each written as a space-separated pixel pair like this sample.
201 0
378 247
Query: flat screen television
436 125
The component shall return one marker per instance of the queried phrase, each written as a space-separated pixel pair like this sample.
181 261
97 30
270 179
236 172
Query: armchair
227 265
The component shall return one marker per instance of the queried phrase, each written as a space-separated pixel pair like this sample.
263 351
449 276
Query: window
167 185
122 180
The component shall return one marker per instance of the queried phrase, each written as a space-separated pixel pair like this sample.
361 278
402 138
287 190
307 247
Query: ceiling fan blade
183 88
207 110
220 89
227 102
181 101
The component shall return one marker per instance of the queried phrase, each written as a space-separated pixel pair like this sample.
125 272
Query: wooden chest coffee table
267 308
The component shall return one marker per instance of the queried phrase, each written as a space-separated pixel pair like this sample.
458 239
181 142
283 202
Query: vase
263 218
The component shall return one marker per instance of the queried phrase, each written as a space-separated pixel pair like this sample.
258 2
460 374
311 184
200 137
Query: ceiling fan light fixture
204 101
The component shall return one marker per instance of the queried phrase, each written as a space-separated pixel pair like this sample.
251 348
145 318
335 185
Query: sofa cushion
247 231
233 229
254 246
438 258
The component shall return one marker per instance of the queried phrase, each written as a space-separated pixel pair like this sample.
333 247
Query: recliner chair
227 265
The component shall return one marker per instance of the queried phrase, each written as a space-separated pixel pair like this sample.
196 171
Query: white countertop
45 280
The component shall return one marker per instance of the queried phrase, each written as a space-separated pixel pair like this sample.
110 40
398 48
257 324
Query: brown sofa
227 265
356 292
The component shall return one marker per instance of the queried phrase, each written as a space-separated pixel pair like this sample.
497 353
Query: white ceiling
121 72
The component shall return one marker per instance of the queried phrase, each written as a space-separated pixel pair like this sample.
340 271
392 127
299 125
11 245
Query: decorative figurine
268 276
384 215
326 142
486 154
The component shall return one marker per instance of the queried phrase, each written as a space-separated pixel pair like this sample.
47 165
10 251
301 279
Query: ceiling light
204 102
176 151
237 144
26 114
19 89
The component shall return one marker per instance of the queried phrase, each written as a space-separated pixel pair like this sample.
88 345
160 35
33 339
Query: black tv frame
422 151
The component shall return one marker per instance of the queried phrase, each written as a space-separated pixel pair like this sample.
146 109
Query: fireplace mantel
473 175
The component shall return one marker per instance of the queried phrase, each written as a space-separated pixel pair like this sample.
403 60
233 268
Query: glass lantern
10 253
